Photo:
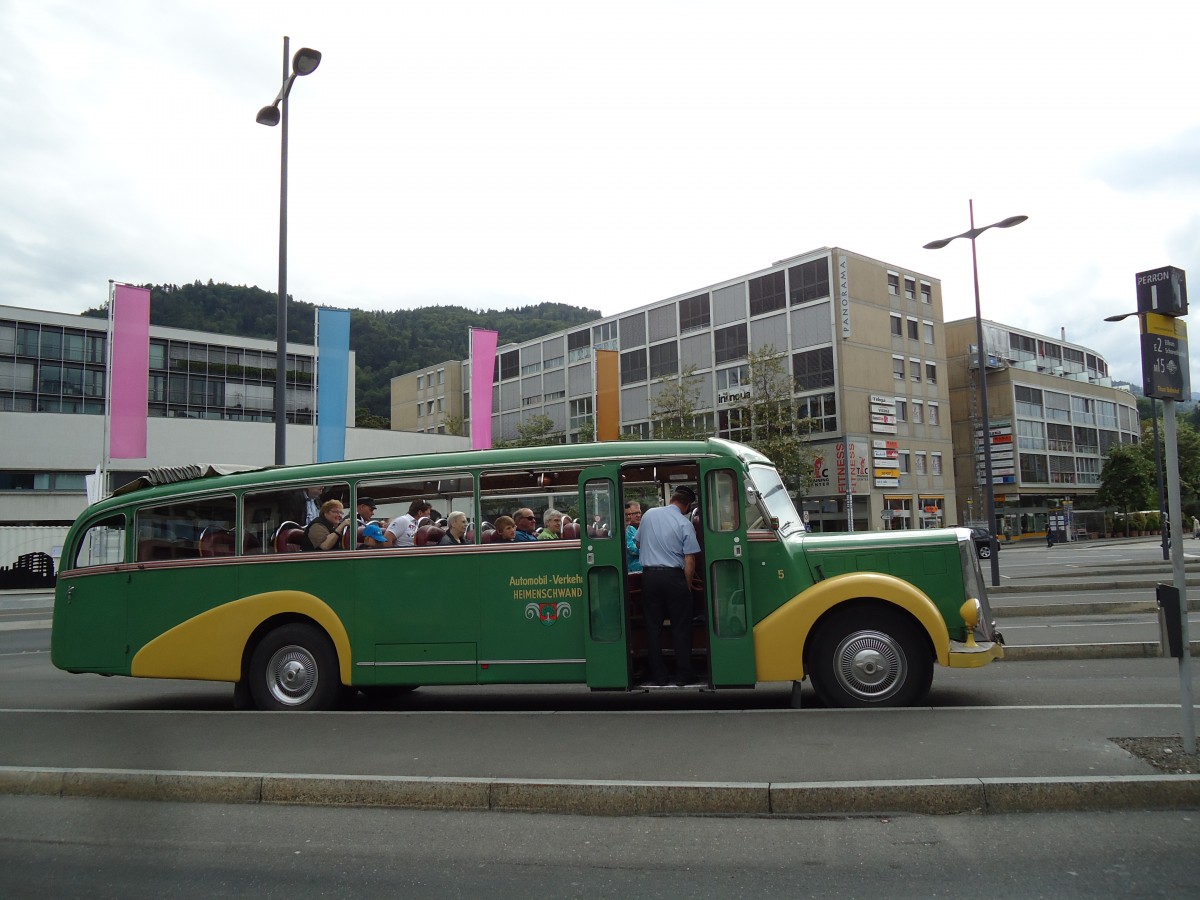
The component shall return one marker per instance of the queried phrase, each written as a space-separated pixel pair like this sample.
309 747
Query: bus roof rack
175 474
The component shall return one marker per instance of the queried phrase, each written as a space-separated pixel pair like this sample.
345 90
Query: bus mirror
751 496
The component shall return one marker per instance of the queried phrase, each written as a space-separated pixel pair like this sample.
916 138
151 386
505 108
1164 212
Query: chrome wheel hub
292 675
870 665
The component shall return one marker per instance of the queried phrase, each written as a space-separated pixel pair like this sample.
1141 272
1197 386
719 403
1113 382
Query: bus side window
103 544
598 510
723 507
187 530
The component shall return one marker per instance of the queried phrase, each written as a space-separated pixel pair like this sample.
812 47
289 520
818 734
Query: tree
674 409
364 418
454 425
775 430
537 431
1125 480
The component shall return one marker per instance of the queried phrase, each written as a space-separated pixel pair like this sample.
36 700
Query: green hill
386 344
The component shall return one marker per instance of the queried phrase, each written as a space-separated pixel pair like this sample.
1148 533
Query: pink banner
129 373
483 363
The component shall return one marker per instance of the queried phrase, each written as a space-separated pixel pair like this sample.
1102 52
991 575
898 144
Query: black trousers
666 594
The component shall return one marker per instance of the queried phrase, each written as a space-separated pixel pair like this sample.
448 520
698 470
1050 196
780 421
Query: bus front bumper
964 657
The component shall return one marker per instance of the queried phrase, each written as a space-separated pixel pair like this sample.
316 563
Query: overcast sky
605 154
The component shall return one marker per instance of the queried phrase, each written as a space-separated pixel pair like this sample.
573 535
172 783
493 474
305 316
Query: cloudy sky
605 154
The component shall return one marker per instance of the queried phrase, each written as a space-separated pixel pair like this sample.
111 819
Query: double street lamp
989 494
305 62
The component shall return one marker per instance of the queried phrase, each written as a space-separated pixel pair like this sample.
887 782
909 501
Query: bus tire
864 660
294 667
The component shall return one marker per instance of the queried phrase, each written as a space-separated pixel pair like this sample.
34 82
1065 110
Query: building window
766 293
531 368
733 424
633 366
931 373
604 336
922 463
579 345
510 364
914 369
935 463
554 395
897 326
641 430
918 410
933 414
903 462
894 284
928 327
693 313
730 343
736 377
809 281
926 292
914 333
441 376
820 410
532 401
813 369
910 288
898 368
581 413
664 359
420 382
901 410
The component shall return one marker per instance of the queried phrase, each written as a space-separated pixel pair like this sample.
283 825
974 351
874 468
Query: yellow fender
779 638
209 647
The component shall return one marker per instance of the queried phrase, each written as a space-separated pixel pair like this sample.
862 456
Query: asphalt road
71 847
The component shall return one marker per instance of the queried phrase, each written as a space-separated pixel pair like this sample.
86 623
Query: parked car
983 543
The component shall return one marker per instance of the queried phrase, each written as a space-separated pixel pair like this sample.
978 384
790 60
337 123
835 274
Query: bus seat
216 541
287 538
469 537
486 537
570 530
428 536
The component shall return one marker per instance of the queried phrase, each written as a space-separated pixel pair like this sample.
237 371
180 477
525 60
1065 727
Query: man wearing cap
667 547
366 511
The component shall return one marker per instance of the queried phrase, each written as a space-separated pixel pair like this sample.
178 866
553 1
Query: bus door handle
591 558
737 548
70 593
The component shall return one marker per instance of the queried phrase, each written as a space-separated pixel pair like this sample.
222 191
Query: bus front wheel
873 659
294 667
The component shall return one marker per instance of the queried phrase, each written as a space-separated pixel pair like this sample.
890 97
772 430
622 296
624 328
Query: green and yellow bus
199 579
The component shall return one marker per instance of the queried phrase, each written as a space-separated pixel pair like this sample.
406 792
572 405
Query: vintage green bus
198 579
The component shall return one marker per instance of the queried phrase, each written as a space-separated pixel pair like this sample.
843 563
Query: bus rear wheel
871 659
294 667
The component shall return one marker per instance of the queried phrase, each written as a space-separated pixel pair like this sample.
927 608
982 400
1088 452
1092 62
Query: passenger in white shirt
404 527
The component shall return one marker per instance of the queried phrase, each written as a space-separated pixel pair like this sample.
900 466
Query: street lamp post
1158 461
305 62
989 494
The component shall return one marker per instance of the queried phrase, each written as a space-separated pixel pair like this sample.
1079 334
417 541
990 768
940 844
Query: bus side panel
532 614
161 596
90 622
416 615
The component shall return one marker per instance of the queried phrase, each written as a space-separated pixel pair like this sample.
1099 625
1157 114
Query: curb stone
948 796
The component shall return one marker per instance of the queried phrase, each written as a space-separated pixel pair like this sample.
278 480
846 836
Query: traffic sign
1165 357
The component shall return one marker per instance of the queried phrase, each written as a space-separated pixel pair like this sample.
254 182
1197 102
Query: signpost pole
1180 576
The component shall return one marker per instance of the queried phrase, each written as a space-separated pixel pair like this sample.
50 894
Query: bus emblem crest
548 613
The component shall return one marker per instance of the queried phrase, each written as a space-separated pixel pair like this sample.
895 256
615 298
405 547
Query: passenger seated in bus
373 536
325 532
526 525
506 531
552 519
404 527
306 505
456 528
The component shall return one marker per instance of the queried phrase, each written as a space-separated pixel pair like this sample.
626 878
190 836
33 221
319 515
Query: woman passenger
553 521
325 532
456 528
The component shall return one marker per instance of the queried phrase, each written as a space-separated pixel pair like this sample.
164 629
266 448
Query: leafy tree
1125 480
455 425
775 430
537 431
673 412
364 418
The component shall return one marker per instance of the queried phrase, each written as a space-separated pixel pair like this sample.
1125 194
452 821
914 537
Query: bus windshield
775 498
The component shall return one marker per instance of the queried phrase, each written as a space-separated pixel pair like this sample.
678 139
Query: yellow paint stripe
209 646
779 638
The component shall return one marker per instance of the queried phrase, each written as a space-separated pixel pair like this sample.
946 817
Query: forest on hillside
386 344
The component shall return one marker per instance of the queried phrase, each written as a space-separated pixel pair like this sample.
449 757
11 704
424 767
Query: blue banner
333 382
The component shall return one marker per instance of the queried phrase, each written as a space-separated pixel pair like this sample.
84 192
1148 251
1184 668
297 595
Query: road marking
31 625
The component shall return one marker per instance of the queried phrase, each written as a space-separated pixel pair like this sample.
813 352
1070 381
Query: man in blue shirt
526 525
667 546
